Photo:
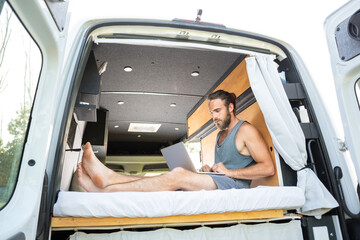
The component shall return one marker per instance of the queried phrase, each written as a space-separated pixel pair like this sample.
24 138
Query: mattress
169 203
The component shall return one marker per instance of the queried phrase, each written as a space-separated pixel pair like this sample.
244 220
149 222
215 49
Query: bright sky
299 23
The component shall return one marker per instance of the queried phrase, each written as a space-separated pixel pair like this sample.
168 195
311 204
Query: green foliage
10 154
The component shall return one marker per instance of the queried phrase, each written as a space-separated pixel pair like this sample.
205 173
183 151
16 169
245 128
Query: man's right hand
205 168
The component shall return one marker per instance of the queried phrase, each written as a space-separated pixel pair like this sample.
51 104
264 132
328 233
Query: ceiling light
195 73
177 129
128 69
116 126
144 127
121 102
173 105
139 136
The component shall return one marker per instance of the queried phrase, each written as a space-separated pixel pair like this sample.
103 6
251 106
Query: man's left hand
220 168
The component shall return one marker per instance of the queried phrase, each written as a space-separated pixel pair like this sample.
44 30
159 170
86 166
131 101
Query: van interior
124 80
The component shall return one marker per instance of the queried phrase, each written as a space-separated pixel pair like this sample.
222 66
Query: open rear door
343 36
32 38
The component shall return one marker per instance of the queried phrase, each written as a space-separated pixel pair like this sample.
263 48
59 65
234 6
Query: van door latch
342 145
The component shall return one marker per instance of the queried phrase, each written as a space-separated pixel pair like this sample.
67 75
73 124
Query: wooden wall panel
237 82
208 148
254 116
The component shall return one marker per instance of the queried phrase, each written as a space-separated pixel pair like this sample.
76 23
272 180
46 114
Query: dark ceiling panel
155 70
148 108
160 69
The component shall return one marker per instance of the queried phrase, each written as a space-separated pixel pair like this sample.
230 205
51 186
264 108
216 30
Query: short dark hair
225 96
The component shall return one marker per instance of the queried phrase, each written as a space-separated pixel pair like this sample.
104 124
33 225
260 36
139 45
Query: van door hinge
342 145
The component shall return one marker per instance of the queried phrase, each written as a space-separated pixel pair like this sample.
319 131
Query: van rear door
343 37
26 148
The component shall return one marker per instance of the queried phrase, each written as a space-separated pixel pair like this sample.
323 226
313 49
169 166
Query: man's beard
224 124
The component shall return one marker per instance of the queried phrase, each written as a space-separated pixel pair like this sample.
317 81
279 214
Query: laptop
177 156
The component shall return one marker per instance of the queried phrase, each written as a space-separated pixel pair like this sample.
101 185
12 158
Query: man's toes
79 170
87 146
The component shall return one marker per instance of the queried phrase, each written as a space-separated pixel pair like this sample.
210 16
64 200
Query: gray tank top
227 152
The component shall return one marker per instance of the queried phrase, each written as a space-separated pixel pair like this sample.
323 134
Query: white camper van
131 87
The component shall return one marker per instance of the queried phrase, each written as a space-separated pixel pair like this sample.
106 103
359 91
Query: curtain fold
286 132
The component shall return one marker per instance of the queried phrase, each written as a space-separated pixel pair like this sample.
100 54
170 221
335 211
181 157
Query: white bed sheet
168 203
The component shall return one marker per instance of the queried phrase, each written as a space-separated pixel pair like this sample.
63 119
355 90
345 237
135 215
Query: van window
20 64
194 150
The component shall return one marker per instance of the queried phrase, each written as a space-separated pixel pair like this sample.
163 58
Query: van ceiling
160 76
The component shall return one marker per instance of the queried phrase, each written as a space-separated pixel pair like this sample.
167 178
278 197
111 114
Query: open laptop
177 156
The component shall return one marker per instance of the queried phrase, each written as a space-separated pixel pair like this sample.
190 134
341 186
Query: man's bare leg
174 180
100 175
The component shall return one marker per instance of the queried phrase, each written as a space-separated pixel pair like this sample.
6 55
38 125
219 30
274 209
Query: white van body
27 214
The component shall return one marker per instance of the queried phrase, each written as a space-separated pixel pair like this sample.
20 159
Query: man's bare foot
100 175
97 171
85 180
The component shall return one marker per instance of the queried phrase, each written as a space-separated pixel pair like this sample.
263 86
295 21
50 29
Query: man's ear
231 107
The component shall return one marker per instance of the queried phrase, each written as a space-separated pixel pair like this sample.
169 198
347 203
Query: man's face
220 113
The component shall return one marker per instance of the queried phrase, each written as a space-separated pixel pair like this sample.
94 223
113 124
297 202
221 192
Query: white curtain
264 231
286 132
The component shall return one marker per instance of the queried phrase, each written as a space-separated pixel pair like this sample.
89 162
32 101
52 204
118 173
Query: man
240 153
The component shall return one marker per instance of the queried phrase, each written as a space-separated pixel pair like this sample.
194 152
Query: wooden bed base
74 222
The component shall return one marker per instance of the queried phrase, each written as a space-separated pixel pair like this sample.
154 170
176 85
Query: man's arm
250 142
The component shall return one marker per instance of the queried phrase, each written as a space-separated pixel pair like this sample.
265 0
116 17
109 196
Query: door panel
31 79
343 36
